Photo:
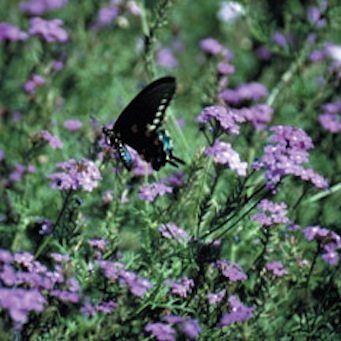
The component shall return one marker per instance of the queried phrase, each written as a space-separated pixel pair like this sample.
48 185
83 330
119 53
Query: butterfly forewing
145 113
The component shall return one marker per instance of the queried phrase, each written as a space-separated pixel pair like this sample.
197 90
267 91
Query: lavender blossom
134 8
273 213
279 39
108 14
49 30
284 156
238 312
330 119
228 119
276 268
231 270
5 256
106 307
216 298
73 124
166 58
66 296
211 46
225 68
330 256
32 84
38 7
171 231
99 244
137 286
182 288
225 155
149 192
53 141
77 174
161 331
259 115
10 32
19 302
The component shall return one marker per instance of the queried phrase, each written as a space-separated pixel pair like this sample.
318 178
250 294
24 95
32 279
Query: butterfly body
140 126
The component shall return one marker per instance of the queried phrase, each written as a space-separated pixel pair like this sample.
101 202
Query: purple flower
149 192
225 68
35 82
317 55
59 258
259 115
106 15
330 256
276 213
106 307
49 30
137 286
175 180
231 270
225 155
211 46
8 275
73 124
313 14
11 33
182 288
171 231
53 141
5 256
276 268
247 92
134 8
263 53
166 58
38 7
161 331
19 302
279 39
284 156
99 244
216 298
57 65
238 312
88 310
66 296
330 122
226 118
191 329
77 174
111 270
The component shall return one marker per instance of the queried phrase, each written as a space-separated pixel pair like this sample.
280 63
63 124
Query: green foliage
104 67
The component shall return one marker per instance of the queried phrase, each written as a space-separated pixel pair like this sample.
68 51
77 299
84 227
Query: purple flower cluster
284 155
259 115
330 242
276 268
53 141
238 312
330 119
171 231
225 155
273 213
244 92
18 172
213 47
32 84
231 270
227 119
99 244
38 7
149 192
181 288
21 270
10 32
77 174
115 272
49 30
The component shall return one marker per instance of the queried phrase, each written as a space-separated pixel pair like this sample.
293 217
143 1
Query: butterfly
140 126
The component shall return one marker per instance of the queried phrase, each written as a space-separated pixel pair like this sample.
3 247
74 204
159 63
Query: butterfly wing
139 125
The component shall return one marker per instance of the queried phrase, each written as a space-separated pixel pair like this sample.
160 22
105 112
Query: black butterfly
140 126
